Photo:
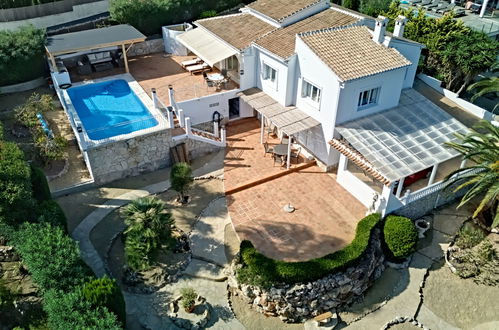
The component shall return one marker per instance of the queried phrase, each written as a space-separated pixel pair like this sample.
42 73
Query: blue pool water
109 109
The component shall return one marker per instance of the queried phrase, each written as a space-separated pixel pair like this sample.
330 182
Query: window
368 97
310 91
269 73
231 63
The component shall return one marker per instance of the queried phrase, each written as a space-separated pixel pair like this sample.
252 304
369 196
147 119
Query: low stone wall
297 303
21 87
198 149
146 47
138 155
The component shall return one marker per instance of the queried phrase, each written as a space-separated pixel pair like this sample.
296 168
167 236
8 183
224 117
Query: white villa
333 80
341 86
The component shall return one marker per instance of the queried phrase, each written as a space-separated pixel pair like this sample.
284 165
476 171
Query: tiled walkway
326 215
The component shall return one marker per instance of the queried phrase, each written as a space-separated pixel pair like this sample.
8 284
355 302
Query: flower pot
190 309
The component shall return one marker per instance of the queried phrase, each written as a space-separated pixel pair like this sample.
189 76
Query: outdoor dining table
281 149
217 78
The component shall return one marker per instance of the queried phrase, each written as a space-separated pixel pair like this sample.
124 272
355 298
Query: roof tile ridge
219 17
299 10
330 29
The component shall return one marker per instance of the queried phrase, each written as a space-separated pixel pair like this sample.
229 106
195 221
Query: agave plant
148 223
482 149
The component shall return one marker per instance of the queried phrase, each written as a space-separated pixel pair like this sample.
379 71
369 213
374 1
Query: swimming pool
109 109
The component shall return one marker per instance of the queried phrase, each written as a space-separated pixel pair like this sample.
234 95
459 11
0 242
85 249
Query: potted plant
188 299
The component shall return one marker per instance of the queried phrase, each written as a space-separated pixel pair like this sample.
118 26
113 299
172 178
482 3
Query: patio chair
441 6
268 149
198 68
223 72
295 154
278 159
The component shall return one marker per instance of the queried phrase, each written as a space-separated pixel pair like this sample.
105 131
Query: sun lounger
195 61
414 2
440 6
458 11
445 9
434 3
198 68
423 3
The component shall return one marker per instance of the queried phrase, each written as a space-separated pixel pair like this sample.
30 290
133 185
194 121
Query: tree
482 149
148 223
181 179
104 292
374 7
486 86
351 4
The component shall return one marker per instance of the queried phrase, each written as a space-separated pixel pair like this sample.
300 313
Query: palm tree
487 85
148 223
481 147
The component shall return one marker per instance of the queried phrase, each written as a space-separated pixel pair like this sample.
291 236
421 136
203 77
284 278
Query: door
234 108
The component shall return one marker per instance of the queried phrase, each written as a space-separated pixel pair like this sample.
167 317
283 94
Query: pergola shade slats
403 140
289 120
206 46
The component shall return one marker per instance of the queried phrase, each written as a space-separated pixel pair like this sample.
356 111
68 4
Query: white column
215 129
170 118
262 128
342 164
181 118
154 97
484 7
385 197
400 187
463 164
433 175
289 152
171 97
188 126
224 135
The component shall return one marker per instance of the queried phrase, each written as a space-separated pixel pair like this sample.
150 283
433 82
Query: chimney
380 29
399 26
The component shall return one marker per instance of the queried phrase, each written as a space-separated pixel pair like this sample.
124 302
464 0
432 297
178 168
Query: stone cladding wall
302 301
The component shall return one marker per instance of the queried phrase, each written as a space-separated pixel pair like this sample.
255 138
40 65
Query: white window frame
267 72
307 92
368 98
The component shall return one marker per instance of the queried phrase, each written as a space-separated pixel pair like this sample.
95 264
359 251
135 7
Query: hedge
16 200
39 184
70 310
400 237
21 55
261 270
2 131
51 256
50 212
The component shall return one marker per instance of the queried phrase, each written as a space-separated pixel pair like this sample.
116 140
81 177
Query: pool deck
159 71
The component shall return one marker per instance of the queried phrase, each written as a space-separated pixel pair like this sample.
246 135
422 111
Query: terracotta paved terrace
326 215
158 71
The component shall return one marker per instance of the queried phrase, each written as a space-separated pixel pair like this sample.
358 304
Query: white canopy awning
206 46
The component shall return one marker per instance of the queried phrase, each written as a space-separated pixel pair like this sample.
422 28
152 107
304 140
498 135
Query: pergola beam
125 58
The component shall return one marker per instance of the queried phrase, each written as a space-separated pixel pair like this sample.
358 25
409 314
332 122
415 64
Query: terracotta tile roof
282 40
281 9
351 53
238 30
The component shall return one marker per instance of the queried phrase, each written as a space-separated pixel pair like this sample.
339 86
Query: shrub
2 131
469 236
15 184
50 148
50 212
260 270
21 55
207 14
149 224
51 256
188 297
400 236
36 103
374 7
70 310
7 297
351 4
41 190
181 179
104 292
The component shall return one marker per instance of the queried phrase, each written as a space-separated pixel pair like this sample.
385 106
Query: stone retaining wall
299 302
21 87
198 149
146 47
132 157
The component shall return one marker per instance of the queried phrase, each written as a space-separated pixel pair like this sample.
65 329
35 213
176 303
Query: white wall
412 53
199 109
354 185
391 86
79 12
170 33
277 90
248 63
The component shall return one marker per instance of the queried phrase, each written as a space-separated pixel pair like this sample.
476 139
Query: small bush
50 148
188 297
469 236
50 212
104 292
400 236
41 190
181 179
208 14
263 271
70 310
51 256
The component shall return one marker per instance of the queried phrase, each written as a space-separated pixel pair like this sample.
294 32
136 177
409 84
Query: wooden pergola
118 35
